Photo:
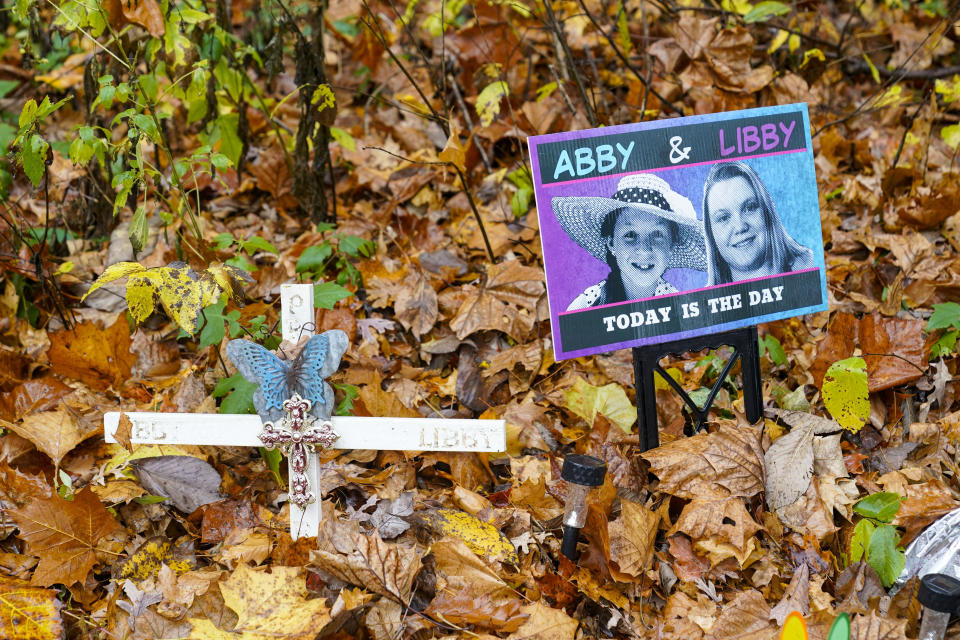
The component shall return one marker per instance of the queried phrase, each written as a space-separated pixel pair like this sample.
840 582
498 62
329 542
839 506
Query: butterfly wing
318 359
261 367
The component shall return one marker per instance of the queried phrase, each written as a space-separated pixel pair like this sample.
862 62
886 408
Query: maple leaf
65 535
728 462
97 357
274 604
28 613
632 536
507 302
546 623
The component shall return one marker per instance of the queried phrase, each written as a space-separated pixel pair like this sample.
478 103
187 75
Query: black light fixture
939 594
583 474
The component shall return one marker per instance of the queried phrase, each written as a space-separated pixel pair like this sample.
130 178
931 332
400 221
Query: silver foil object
936 550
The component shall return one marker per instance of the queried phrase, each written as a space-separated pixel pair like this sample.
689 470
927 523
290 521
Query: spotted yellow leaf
114 272
845 393
482 538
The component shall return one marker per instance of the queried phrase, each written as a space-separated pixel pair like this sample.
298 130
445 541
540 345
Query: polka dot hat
582 217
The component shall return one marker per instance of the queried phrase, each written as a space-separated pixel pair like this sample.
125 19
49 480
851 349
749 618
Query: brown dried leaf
364 560
124 431
507 302
876 627
726 463
632 538
708 519
747 617
463 569
925 503
416 305
42 394
66 535
796 597
483 612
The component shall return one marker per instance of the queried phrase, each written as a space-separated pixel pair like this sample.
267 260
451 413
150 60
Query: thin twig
439 119
466 190
555 27
626 61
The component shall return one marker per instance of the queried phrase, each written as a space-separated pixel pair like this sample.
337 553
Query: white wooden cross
383 433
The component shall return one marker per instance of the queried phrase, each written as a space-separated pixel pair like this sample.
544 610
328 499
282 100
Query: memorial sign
666 230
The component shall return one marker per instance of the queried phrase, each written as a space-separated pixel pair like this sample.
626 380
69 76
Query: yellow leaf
146 561
845 393
454 152
951 135
114 272
274 604
483 538
140 295
610 401
891 97
181 295
778 40
949 89
28 613
66 267
810 54
488 101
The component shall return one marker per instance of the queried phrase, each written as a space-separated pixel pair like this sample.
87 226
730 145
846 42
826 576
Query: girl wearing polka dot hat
640 231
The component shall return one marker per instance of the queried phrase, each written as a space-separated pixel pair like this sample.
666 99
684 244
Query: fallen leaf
66 535
29 613
124 431
274 604
747 617
533 497
481 537
55 433
463 569
149 557
364 560
876 627
632 538
728 462
796 597
188 482
483 612
98 357
725 518
385 619
545 623
789 465
845 393
507 302
610 401
416 305
41 394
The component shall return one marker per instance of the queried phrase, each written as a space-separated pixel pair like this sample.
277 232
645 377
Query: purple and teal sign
671 229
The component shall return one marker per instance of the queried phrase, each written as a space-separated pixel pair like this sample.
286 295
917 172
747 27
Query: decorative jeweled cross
295 435
356 432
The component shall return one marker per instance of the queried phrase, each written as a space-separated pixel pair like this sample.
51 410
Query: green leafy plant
770 346
945 316
875 539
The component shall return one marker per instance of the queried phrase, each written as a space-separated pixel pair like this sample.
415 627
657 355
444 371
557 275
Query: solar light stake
583 474
939 594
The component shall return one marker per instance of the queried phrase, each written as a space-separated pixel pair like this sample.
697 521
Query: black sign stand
646 362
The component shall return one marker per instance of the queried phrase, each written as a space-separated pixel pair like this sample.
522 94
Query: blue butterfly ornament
280 379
